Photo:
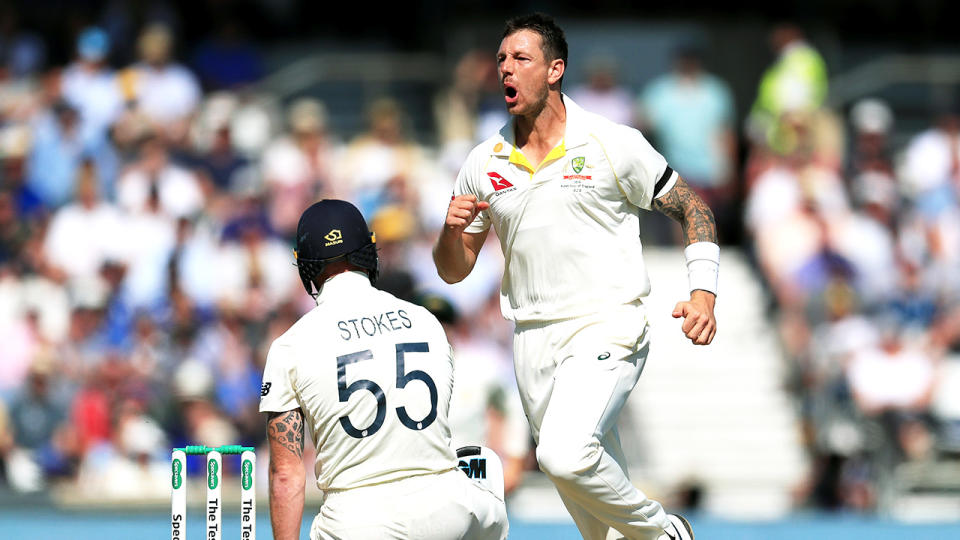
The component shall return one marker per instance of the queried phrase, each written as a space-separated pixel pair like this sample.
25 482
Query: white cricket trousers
444 506
574 377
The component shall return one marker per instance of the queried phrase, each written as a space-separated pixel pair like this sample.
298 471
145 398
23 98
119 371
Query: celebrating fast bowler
563 189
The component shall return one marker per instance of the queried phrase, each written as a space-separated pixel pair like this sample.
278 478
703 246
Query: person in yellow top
791 90
563 187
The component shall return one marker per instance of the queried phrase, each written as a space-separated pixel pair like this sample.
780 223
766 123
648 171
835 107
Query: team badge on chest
576 180
577 164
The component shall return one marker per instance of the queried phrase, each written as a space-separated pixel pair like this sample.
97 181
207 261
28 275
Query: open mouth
510 93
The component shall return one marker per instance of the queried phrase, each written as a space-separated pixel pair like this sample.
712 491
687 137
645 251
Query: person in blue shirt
690 113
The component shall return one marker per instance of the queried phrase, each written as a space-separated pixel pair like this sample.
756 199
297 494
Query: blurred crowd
859 245
147 213
146 221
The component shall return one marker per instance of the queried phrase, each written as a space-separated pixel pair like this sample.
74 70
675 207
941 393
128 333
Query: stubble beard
534 108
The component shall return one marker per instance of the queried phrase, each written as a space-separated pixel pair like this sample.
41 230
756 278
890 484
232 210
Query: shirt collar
504 142
343 284
575 133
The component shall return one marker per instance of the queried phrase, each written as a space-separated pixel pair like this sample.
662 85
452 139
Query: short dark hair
553 41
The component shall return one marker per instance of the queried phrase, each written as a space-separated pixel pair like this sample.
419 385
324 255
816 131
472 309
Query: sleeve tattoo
684 205
286 428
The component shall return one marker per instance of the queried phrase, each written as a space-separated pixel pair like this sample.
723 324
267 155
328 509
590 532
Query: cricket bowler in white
371 376
563 189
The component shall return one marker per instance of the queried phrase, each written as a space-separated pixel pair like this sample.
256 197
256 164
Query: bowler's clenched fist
462 211
699 323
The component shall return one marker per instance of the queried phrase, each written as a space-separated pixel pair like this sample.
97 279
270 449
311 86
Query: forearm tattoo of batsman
684 205
287 429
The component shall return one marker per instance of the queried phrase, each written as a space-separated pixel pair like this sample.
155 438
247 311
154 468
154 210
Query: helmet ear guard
308 269
364 257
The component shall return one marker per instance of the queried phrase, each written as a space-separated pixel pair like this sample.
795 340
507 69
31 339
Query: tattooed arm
684 205
287 476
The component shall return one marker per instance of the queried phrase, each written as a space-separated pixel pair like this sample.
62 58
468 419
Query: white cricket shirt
569 228
373 376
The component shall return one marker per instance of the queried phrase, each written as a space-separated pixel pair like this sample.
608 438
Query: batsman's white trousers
574 377
444 506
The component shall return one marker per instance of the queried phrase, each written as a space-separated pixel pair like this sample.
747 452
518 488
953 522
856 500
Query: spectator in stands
872 122
844 332
382 166
165 92
14 153
602 94
38 415
195 278
178 189
92 409
19 334
22 52
150 357
131 459
148 238
892 376
82 350
930 173
135 466
221 164
395 227
784 230
117 315
22 55
790 92
253 266
225 350
58 149
297 168
202 422
56 153
915 304
90 86
691 114
85 234
893 384
868 234
865 236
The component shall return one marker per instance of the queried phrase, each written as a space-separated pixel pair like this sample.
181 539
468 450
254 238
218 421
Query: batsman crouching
376 402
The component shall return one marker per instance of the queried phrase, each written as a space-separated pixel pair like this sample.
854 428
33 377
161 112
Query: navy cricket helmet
331 230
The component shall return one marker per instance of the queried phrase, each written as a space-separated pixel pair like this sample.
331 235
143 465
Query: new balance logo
265 389
476 468
498 181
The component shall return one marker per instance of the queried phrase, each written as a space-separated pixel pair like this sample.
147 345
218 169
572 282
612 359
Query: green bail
199 450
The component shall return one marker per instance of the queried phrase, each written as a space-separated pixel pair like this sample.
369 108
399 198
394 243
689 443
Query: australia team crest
577 164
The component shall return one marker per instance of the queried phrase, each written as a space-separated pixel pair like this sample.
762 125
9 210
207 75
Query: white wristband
703 265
